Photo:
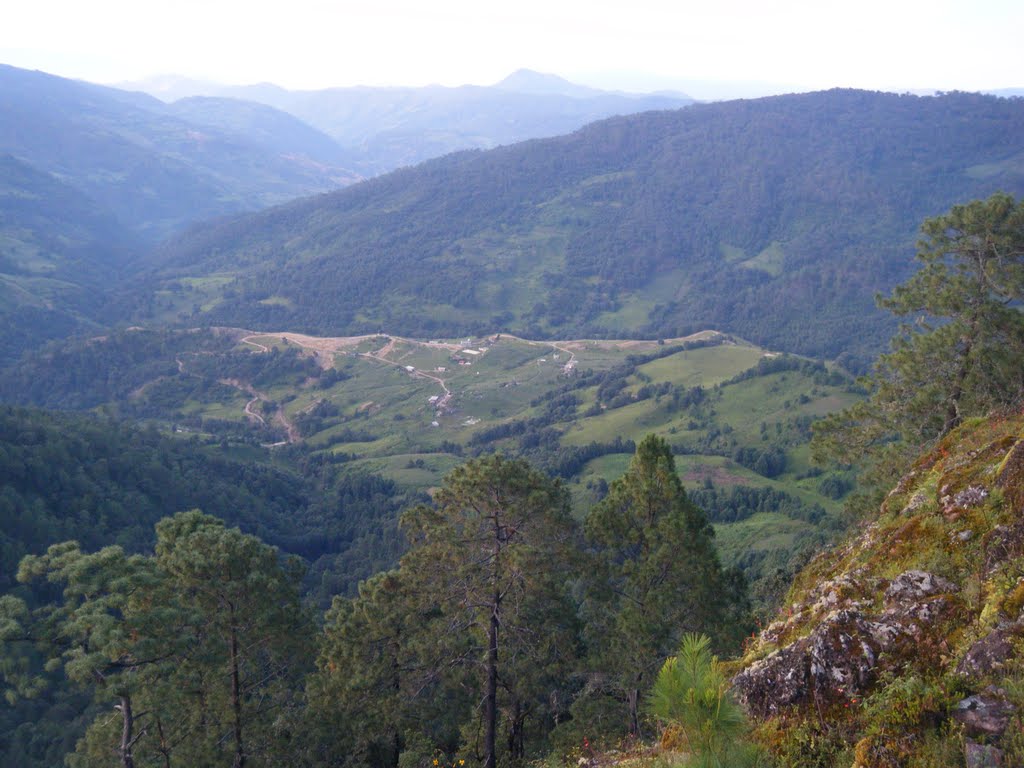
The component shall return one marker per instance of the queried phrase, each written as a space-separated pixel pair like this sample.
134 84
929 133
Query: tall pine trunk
516 737
953 415
633 700
127 728
491 705
236 698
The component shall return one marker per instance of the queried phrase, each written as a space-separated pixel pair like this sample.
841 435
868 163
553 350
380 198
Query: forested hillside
101 481
152 169
777 219
200 651
58 250
738 418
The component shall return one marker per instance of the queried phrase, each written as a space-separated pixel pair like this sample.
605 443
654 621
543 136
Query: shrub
690 697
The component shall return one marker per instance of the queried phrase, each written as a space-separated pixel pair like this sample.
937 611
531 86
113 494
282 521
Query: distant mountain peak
170 87
532 82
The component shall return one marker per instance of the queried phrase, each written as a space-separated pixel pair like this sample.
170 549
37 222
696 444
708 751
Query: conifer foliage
493 551
198 650
691 698
656 575
484 642
960 354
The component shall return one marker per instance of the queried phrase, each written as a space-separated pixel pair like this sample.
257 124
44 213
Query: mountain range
147 164
385 128
94 176
776 219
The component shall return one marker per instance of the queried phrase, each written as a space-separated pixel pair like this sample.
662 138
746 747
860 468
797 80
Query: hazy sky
639 44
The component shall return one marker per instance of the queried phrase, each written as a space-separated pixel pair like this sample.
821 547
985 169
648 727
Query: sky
722 47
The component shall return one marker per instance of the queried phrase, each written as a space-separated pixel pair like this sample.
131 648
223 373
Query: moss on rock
896 639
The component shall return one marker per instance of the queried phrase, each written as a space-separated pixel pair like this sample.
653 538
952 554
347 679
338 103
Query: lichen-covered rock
970 496
915 585
771 634
984 714
989 654
776 682
841 657
914 618
845 592
982 755
834 662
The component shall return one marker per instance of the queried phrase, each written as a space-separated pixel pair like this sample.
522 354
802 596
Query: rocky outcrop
914 586
839 660
982 755
903 637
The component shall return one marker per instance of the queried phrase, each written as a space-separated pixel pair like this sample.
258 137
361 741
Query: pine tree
493 553
199 649
111 632
656 575
961 355
251 640
371 692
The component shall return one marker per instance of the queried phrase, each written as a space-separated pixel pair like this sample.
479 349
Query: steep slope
130 153
905 647
57 249
777 219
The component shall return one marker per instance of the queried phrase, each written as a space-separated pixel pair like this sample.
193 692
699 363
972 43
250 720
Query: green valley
738 417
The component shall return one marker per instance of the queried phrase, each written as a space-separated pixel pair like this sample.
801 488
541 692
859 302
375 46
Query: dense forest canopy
104 482
202 650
